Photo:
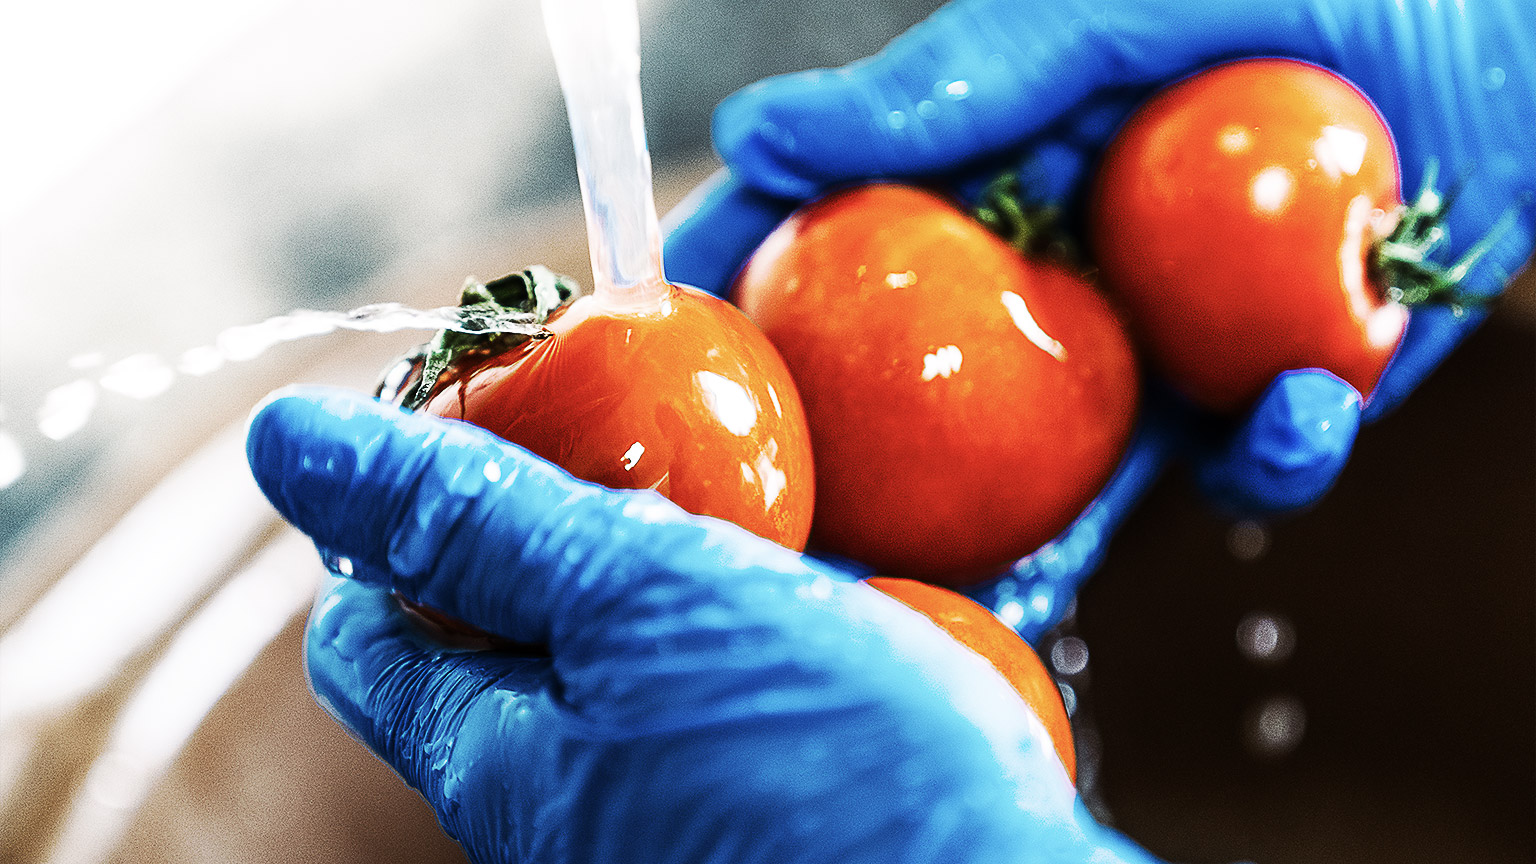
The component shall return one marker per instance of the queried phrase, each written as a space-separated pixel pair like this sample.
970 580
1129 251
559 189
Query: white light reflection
1275 727
13 462
1234 140
141 376
1340 151
1265 638
1031 330
1382 323
942 363
66 409
632 456
203 660
772 479
199 361
729 402
135 583
1272 189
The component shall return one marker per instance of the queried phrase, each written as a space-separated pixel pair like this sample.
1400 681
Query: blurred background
1355 683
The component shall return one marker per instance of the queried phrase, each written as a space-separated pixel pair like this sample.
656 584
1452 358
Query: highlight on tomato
1250 217
973 626
965 401
682 396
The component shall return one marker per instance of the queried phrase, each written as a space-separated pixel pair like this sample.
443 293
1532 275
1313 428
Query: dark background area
1412 592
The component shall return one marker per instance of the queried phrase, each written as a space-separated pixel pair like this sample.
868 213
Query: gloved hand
706 695
1043 85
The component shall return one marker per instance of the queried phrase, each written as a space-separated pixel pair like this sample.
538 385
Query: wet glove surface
985 85
705 695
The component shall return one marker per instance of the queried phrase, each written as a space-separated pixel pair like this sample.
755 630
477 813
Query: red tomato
965 403
1234 214
979 630
688 399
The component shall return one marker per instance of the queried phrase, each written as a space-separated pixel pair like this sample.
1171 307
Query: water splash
68 408
13 461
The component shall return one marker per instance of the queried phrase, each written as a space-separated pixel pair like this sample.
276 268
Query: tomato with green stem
965 402
1250 217
683 396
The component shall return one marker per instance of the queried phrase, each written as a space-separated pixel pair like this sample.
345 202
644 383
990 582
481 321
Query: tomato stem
1403 258
1034 229
525 298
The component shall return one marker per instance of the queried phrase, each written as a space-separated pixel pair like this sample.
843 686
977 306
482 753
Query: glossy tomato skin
1234 213
687 399
965 403
973 626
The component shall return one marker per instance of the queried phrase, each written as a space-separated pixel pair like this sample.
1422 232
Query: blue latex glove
1043 85
707 696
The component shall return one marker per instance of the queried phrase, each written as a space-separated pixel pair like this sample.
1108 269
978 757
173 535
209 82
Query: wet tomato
965 403
685 397
973 626
1235 214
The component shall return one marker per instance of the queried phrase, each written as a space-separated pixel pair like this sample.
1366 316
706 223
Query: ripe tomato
687 399
1235 214
965 403
979 630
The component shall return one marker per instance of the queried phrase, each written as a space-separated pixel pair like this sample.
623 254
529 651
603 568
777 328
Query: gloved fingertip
1290 449
715 229
760 150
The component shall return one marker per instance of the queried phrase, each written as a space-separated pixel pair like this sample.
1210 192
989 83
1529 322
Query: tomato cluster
958 401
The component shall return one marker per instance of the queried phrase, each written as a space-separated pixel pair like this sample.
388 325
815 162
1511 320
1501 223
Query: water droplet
927 109
897 120
1011 613
337 565
1069 655
1493 78
66 409
1274 727
1265 638
957 89
819 588
493 472
1041 602
1068 697
1248 540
